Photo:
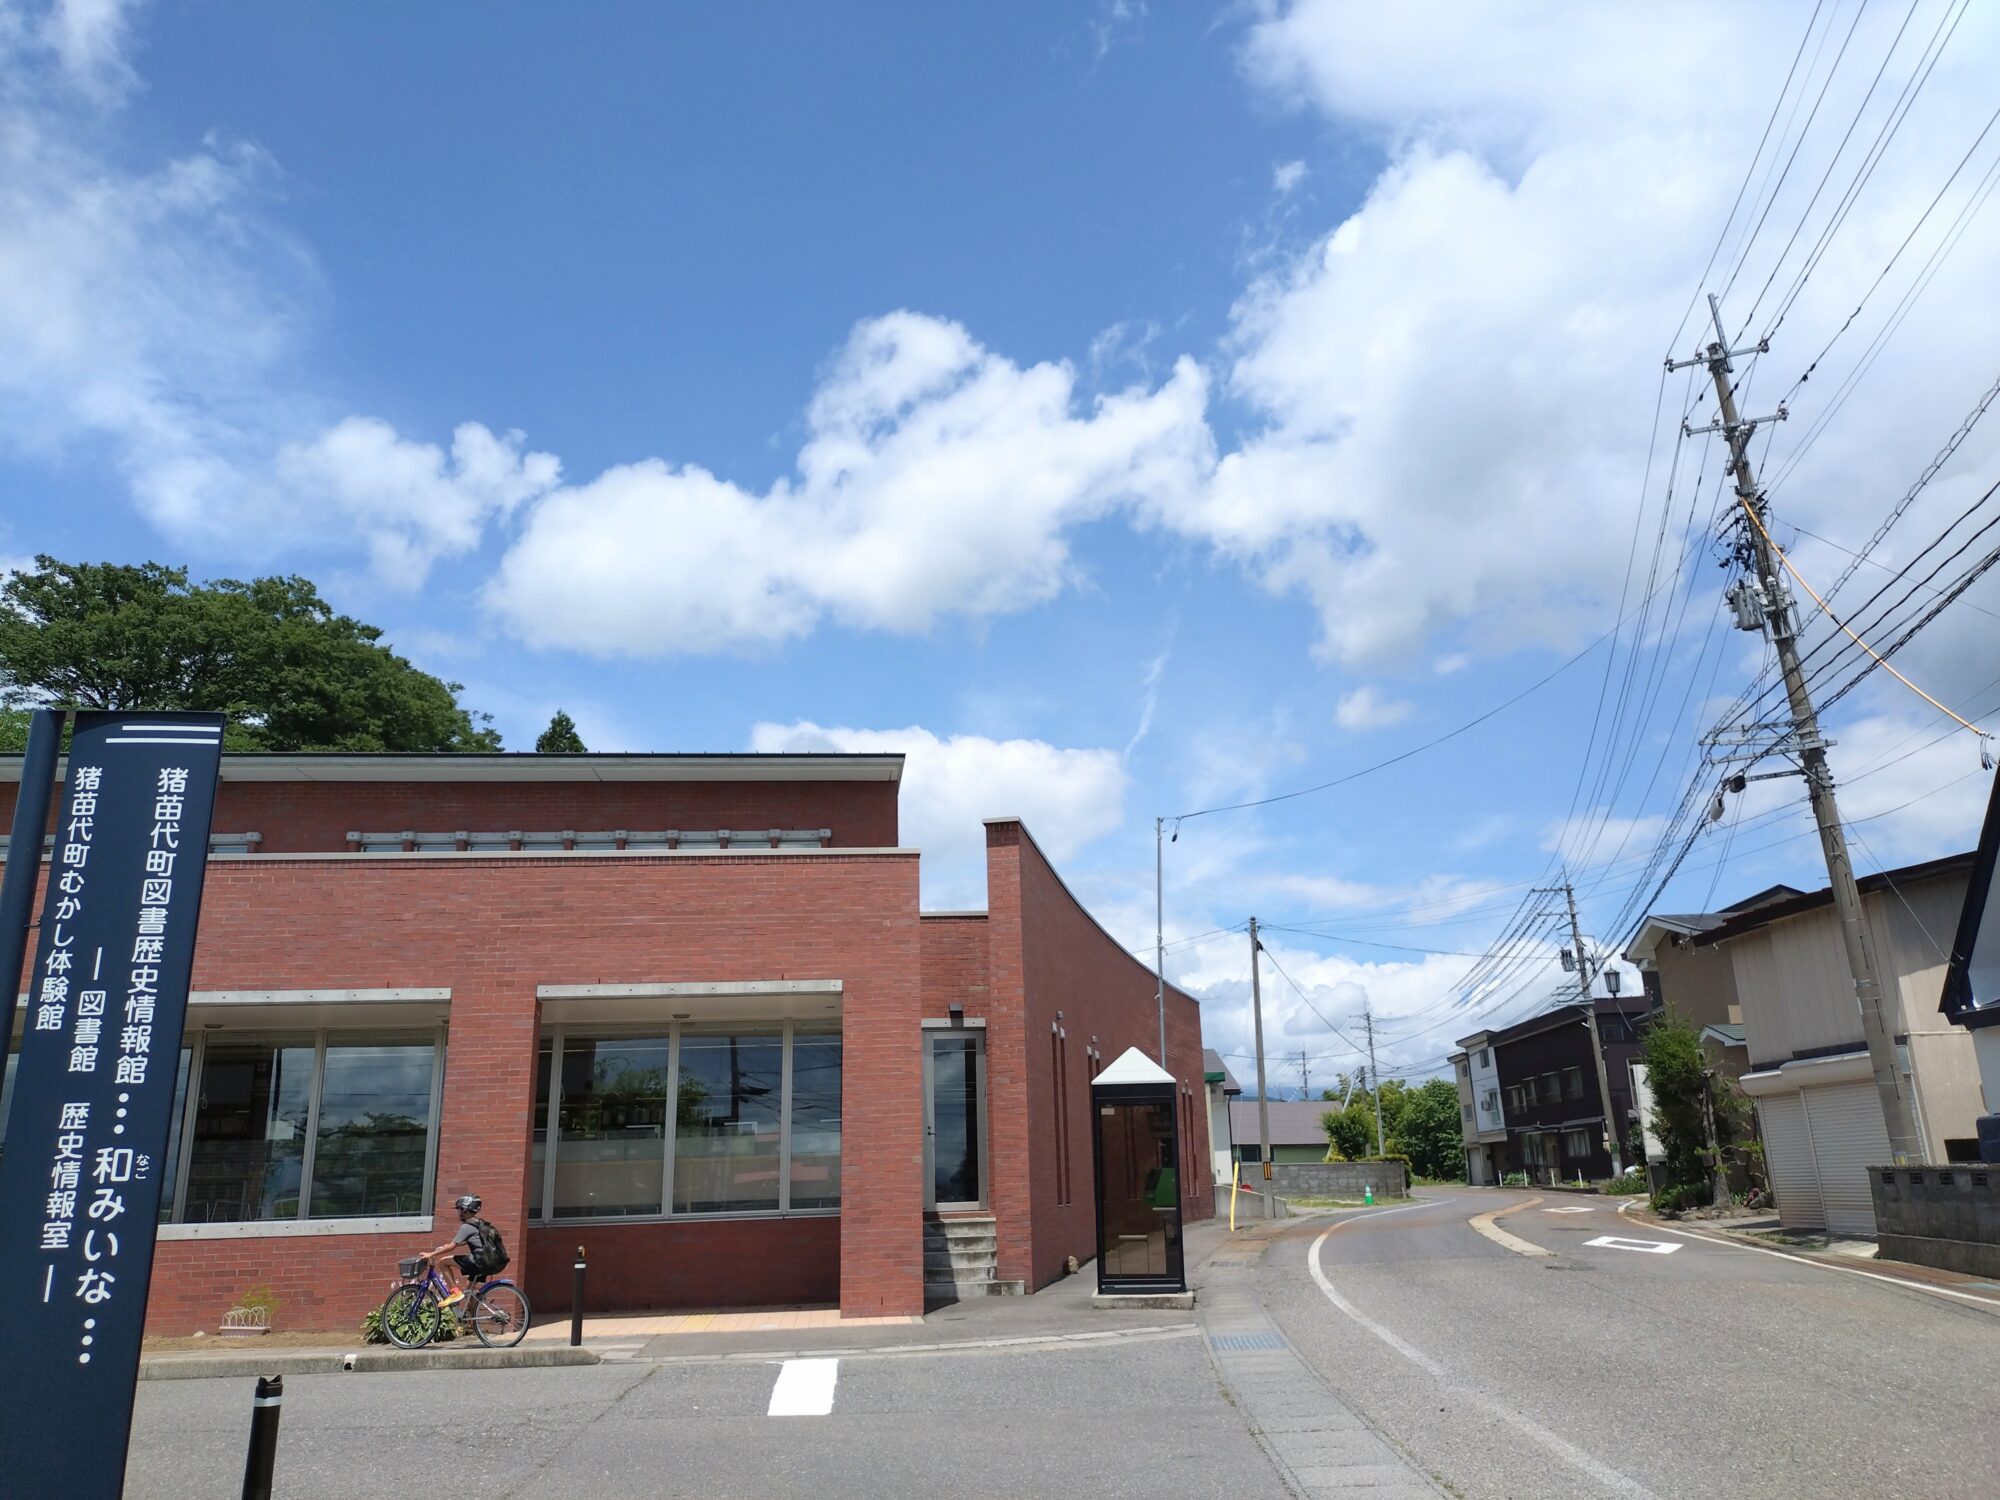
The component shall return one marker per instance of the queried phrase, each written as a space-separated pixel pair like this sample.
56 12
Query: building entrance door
954 1119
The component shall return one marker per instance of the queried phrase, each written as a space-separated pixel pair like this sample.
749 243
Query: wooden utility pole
1368 1020
1263 1102
1589 1003
1773 600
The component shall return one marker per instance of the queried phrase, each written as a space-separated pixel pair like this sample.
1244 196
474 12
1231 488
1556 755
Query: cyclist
471 1240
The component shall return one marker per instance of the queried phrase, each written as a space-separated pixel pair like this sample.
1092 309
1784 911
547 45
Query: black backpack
490 1257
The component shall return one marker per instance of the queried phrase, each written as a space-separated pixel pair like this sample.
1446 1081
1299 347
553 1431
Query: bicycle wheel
500 1315
411 1317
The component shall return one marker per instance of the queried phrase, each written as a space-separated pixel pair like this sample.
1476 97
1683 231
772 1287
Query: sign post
81 1179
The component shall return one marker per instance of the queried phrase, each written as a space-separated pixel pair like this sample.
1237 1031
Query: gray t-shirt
469 1235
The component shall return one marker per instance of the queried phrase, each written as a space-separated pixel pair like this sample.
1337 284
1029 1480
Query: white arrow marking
1579 1208
1647 1247
805 1388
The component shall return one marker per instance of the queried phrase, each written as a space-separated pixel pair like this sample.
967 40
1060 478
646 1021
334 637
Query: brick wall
1048 955
721 1263
491 930
314 816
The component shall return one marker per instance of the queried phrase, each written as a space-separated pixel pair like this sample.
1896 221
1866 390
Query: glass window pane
170 1176
611 1127
1139 1196
815 1119
538 1150
726 1123
249 1130
374 1128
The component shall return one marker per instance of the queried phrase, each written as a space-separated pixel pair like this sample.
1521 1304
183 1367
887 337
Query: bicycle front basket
410 1268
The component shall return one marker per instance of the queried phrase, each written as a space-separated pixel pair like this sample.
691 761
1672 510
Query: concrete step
960 1267
961 1291
984 1242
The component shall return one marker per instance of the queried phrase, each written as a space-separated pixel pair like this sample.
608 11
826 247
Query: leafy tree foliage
560 738
290 672
1351 1131
1677 1073
1428 1130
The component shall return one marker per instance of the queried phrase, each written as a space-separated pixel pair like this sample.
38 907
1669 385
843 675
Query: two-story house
1551 1107
1809 1072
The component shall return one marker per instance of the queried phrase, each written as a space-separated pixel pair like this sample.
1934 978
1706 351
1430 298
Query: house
684 1010
1972 978
1696 983
1296 1134
1482 1114
1809 1073
1550 1123
1222 1087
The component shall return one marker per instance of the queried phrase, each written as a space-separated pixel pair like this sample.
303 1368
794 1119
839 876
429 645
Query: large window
611 1126
755 1123
297 1125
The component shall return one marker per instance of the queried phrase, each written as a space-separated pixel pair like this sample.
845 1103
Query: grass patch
1328 1202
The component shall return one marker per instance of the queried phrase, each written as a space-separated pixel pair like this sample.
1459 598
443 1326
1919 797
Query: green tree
290 673
1677 1074
1428 1130
1351 1131
560 738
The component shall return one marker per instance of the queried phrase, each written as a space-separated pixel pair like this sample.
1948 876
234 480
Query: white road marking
804 1388
1602 1472
1647 1247
1806 1260
1484 1224
1574 1208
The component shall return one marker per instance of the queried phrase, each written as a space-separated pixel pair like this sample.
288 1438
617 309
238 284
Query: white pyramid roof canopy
1134 1067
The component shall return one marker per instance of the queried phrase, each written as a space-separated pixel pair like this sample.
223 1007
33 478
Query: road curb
366 1361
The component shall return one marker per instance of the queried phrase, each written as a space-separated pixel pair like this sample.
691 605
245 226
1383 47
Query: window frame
556 1035
198 1058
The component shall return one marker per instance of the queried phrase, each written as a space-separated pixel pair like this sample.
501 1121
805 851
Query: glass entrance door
954 1119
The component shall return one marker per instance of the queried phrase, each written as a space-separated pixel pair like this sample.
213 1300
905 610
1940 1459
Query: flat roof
529 765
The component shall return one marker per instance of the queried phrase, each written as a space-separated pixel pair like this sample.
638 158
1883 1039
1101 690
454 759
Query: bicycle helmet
469 1203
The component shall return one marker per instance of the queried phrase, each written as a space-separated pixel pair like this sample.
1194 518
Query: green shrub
1629 1186
1514 1179
1681 1197
371 1327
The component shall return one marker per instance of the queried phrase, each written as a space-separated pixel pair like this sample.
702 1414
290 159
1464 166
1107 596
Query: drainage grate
1247 1341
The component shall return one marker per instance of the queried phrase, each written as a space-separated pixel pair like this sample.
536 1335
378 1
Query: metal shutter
1788 1153
1848 1138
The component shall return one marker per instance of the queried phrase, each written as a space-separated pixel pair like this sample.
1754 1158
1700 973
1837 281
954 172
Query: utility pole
1263 1103
1305 1077
1589 1003
1769 597
1368 1020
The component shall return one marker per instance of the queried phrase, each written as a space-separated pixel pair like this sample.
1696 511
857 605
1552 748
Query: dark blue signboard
93 1092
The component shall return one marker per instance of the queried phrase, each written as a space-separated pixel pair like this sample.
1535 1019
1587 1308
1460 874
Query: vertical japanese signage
86 1145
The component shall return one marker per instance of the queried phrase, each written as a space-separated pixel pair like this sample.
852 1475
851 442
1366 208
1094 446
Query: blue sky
1126 410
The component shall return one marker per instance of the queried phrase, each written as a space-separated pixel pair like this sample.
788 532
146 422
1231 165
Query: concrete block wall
1948 1217
1335 1179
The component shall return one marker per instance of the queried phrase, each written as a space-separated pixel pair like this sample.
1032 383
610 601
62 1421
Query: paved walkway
1317 1441
624 1328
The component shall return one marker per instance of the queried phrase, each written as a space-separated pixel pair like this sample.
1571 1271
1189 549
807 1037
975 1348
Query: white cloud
951 784
1453 382
1366 707
1287 175
937 478
411 502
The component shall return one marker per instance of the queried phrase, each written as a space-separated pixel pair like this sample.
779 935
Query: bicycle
496 1310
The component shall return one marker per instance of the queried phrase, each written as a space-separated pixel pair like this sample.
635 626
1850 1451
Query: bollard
576 1302
263 1453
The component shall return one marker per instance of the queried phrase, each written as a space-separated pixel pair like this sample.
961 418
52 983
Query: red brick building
683 1010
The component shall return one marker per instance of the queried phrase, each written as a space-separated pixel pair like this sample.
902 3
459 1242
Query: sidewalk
1059 1313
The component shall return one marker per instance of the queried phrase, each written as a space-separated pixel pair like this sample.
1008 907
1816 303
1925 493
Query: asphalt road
1427 1353
1593 1370
1145 1417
